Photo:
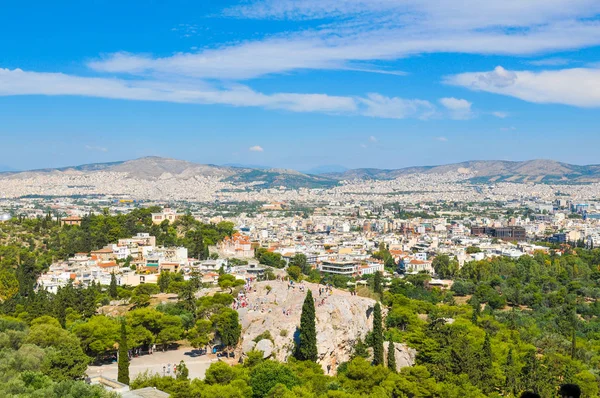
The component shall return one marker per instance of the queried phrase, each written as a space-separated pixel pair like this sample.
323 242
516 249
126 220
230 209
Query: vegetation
306 345
377 337
123 365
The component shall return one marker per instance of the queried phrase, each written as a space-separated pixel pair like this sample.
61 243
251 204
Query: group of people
327 290
566 391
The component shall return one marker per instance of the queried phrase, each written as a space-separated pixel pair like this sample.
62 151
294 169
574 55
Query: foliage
377 337
271 259
123 365
306 345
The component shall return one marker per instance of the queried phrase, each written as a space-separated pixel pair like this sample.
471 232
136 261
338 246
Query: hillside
539 170
155 168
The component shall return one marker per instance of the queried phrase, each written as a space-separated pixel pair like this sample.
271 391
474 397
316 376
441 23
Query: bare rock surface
341 319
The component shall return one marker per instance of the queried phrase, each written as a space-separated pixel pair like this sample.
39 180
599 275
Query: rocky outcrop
341 319
266 347
405 356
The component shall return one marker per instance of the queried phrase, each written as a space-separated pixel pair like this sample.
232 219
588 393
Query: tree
306 345
266 375
378 284
377 339
294 272
227 281
511 374
112 290
182 371
99 334
123 365
391 360
300 260
201 334
227 326
444 267
164 279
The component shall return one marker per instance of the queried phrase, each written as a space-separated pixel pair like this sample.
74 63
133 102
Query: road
154 364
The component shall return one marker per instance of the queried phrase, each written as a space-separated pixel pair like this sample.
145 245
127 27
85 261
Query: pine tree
391 360
112 290
377 336
306 346
123 365
378 283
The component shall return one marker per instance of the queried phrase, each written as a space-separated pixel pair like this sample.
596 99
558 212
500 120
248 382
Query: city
300 199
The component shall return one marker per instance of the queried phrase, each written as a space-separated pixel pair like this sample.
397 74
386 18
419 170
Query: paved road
154 364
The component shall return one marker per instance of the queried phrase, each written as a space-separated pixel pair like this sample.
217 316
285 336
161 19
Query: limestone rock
341 319
248 345
266 346
405 356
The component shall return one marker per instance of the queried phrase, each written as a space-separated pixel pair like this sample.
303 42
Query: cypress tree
476 310
123 365
511 373
112 290
377 336
391 360
306 346
378 283
486 358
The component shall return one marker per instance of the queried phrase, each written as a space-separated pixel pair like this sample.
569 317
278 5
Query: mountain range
485 171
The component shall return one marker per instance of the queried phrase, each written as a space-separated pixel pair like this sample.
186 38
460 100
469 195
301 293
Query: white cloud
18 82
378 30
256 148
363 145
500 115
441 139
377 105
96 148
459 108
577 86
372 139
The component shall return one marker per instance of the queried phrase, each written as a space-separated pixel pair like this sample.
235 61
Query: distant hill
154 167
479 171
539 170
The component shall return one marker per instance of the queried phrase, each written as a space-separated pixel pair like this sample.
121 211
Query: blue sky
299 83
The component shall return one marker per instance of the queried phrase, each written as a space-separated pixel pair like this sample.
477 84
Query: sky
299 83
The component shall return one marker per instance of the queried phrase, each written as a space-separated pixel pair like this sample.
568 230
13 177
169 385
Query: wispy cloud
256 148
441 139
373 139
459 108
550 62
96 148
500 115
19 82
577 86
359 31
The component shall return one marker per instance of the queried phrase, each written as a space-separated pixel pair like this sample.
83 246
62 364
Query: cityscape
300 199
